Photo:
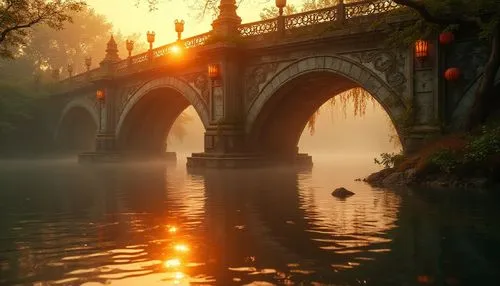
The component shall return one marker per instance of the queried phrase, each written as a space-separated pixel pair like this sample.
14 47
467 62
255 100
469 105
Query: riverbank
453 161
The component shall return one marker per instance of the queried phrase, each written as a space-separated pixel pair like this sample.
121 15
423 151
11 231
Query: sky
127 18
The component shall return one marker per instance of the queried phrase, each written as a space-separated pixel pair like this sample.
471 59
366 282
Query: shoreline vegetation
455 161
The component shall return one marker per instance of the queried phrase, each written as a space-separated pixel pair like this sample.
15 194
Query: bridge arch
150 112
285 103
77 126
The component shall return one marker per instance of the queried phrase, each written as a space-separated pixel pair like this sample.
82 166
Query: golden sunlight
171 263
176 50
181 247
172 229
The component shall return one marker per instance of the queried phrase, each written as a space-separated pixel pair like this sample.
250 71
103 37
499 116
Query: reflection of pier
262 215
259 225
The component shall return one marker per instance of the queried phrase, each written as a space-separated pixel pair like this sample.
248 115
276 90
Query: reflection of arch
149 114
281 109
77 125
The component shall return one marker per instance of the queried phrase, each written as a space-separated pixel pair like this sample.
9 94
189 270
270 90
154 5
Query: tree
18 16
22 88
47 50
483 15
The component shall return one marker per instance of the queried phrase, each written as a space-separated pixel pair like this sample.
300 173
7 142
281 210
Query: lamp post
179 28
100 96
151 39
281 4
55 74
70 70
88 62
130 47
281 20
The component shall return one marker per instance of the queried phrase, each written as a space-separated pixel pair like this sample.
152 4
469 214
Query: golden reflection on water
243 228
354 227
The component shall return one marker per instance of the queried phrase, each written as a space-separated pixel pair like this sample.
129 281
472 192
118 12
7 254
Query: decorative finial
112 51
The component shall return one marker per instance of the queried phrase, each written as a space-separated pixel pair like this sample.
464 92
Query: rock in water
342 193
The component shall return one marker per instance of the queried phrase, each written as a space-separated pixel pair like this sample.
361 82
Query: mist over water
146 223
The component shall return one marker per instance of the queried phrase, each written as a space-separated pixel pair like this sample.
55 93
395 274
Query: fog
336 134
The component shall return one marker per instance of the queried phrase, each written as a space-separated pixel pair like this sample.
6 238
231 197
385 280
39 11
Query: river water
66 224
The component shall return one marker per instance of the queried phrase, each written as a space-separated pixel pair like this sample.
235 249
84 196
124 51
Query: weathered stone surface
397 178
377 177
342 193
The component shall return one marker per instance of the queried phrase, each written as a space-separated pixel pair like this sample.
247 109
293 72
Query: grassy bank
455 160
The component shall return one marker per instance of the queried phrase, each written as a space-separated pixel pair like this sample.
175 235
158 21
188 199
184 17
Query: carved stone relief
255 77
200 82
91 98
127 92
390 64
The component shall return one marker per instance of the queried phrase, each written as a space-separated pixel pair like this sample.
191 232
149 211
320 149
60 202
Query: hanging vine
359 99
357 96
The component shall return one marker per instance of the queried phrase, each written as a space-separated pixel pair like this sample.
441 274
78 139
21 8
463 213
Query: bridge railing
82 78
341 12
309 18
259 28
367 8
188 43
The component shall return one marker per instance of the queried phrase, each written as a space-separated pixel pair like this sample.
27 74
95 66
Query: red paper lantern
446 38
452 74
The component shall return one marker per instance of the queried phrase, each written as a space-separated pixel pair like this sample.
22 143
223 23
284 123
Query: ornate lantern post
88 63
151 39
281 21
55 74
70 69
179 28
130 47
100 97
281 4
421 50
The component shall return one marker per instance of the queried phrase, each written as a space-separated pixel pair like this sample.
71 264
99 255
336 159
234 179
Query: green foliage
26 80
50 50
17 102
484 145
446 159
389 160
435 16
17 17
476 153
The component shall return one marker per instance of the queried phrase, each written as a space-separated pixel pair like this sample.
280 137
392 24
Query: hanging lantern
213 71
446 38
421 49
452 74
99 95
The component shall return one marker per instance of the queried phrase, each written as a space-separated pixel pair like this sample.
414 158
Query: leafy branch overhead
18 16
480 15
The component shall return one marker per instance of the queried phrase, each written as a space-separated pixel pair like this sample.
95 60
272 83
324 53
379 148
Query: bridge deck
291 28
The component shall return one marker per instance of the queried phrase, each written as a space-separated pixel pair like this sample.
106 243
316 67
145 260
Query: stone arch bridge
267 79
